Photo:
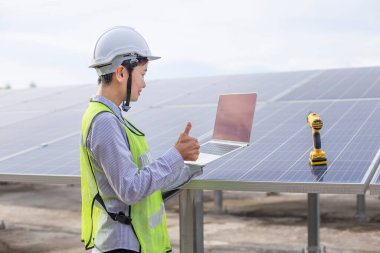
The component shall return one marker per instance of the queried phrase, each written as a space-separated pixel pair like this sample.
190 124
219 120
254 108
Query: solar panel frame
374 186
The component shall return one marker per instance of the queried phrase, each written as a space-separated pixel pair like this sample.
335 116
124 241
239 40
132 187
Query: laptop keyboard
217 148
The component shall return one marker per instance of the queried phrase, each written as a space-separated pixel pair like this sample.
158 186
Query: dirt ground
46 219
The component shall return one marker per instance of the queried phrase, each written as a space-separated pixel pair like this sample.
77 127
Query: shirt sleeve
107 144
181 177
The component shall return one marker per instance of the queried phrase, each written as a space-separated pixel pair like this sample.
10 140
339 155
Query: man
122 206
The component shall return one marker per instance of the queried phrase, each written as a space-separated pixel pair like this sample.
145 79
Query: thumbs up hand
187 146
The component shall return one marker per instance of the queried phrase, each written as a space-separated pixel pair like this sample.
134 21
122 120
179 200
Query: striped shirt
118 181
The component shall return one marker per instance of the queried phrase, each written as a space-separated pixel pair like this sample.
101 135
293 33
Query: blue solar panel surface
354 83
281 143
44 140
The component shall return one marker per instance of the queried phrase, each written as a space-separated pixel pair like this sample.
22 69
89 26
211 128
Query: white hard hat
116 45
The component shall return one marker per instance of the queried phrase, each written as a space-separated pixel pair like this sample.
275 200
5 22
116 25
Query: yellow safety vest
147 217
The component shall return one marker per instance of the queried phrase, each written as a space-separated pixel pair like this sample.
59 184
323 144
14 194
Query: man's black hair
107 78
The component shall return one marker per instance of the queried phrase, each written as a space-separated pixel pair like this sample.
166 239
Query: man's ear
119 73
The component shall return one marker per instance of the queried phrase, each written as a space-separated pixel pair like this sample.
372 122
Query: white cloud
51 38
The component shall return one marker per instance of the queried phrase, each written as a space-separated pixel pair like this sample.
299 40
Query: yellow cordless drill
317 156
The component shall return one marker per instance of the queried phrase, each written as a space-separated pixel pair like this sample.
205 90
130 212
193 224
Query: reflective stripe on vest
156 218
148 215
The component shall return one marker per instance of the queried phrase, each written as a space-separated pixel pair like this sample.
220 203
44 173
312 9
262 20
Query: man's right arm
107 145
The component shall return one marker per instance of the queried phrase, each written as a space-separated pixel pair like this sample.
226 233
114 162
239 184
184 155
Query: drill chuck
317 124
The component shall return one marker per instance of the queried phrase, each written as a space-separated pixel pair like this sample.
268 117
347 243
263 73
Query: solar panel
277 159
32 132
267 86
281 142
354 83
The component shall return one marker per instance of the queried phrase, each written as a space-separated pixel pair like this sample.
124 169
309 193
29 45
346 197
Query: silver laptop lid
234 117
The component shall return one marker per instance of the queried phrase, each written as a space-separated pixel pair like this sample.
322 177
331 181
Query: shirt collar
111 105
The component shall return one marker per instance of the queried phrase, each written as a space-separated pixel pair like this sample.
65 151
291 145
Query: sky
50 42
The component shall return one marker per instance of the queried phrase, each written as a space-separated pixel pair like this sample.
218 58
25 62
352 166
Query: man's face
138 82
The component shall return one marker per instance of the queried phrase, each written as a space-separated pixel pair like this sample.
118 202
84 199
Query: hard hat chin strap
125 106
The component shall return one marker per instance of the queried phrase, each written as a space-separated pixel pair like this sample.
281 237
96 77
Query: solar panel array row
40 136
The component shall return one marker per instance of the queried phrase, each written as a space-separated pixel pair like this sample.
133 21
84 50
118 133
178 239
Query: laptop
232 129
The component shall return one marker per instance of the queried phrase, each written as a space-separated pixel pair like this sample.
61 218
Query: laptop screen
234 117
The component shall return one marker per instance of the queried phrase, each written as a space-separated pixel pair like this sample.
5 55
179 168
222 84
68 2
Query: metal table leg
191 221
218 201
360 207
313 223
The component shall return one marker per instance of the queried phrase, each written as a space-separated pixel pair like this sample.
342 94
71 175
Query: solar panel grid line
353 84
295 86
272 83
232 156
362 106
206 135
357 84
41 145
329 100
338 83
323 136
349 157
172 123
37 145
334 88
242 162
62 165
374 165
323 87
324 77
230 160
48 159
267 84
19 153
333 78
374 84
174 136
188 92
367 90
270 154
209 133
48 122
72 106
24 101
298 84
275 95
47 93
163 102
37 161
352 137
332 154
330 91
285 142
42 162
167 130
